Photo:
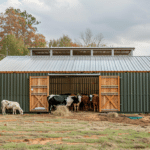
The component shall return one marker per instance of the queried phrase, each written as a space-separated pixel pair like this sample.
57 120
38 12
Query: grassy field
51 132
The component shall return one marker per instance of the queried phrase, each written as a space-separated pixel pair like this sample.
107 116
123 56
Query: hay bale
62 111
112 115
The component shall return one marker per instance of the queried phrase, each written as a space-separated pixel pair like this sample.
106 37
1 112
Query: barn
121 80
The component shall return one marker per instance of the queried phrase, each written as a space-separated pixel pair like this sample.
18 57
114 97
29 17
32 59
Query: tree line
18 31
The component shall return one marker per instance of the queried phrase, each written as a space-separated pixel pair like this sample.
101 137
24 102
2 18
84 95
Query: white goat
11 105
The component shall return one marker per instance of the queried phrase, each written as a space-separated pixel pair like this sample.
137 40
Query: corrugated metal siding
134 90
15 87
80 63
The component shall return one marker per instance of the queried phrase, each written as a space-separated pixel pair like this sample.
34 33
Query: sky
123 23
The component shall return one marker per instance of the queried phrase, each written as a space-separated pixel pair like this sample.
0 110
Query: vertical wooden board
54 86
118 93
57 83
95 86
47 91
83 85
92 85
50 84
77 85
80 85
73 88
99 93
47 85
30 91
87 85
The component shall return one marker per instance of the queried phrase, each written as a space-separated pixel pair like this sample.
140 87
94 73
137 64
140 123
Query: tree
90 40
30 20
39 41
10 45
20 24
63 41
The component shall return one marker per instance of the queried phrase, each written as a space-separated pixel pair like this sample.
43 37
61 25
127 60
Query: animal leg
74 107
50 108
13 111
3 111
78 107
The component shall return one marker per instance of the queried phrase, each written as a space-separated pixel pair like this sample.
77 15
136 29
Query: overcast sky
123 23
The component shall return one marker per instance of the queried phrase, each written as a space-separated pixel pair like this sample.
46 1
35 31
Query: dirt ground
94 116
87 116
40 129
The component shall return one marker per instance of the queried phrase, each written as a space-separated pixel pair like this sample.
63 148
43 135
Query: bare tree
89 40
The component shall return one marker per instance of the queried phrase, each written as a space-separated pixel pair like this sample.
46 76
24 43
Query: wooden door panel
39 90
109 93
109 90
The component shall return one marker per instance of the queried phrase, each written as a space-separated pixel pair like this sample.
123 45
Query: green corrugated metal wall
134 90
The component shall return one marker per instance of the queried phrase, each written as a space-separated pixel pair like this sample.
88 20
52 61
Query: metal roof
75 63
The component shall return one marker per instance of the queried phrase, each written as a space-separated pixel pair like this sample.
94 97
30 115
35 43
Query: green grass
21 146
107 136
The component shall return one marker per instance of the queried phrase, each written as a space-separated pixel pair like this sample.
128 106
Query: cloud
34 2
123 23
13 3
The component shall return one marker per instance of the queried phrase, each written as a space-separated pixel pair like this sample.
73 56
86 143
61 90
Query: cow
85 103
5 104
63 99
75 101
95 101
55 100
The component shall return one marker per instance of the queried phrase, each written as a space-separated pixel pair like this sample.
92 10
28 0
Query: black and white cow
67 100
75 101
55 100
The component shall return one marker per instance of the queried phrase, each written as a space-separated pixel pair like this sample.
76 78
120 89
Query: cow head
50 96
79 98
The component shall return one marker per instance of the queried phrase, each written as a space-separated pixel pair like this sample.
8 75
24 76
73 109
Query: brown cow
95 101
85 100
86 103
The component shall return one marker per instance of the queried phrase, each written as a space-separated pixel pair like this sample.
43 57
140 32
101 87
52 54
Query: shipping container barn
121 80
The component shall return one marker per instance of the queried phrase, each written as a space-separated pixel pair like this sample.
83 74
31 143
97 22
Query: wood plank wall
74 85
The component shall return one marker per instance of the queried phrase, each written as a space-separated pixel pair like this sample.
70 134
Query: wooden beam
99 93
30 92
118 93
47 88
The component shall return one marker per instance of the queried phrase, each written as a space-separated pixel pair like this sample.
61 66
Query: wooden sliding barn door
39 90
109 93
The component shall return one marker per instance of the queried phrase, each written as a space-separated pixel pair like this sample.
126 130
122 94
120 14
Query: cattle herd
73 102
